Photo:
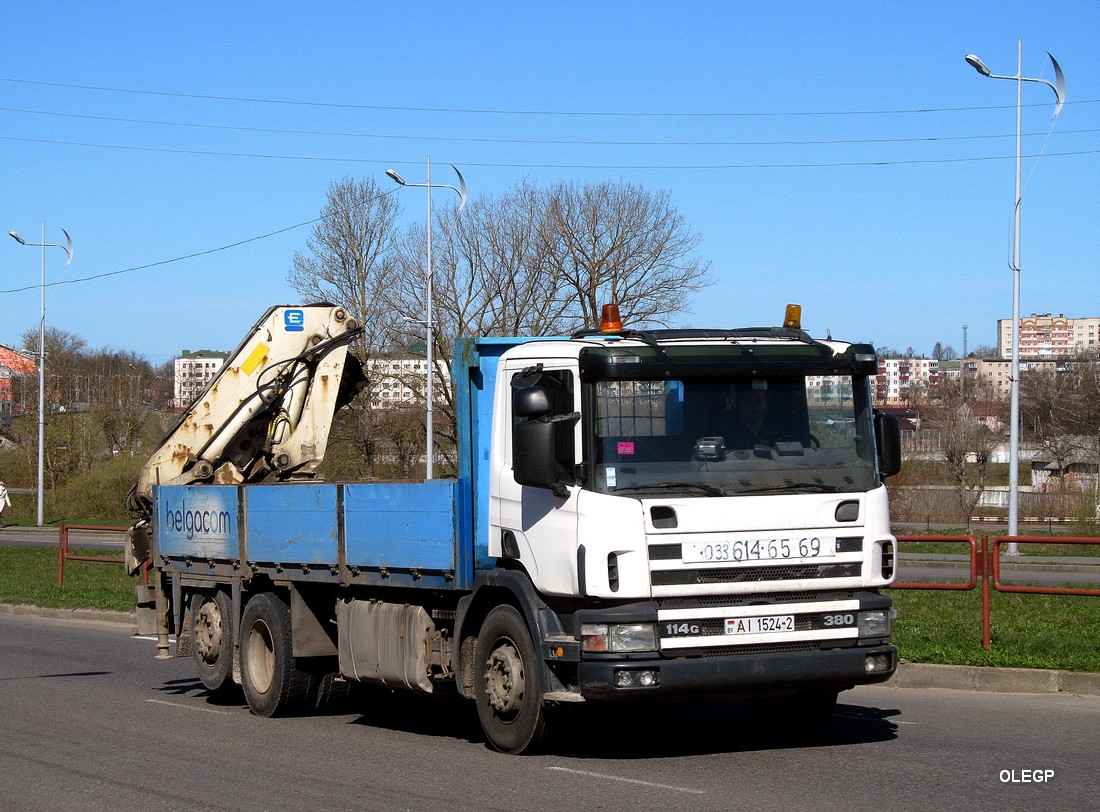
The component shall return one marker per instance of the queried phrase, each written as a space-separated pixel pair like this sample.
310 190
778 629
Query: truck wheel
508 684
273 683
212 642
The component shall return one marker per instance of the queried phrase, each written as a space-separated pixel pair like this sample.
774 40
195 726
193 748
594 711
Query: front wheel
508 685
273 683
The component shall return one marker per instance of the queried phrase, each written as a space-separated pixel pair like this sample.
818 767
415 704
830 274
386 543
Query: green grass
1029 631
28 575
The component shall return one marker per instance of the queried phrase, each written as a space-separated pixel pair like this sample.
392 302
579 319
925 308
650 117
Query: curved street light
1059 88
68 246
460 190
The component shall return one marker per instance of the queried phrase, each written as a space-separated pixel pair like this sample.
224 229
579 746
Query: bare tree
350 260
969 439
349 256
543 260
1060 413
614 242
535 260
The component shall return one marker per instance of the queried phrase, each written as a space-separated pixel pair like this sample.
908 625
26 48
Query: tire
273 683
212 644
508 683
332 693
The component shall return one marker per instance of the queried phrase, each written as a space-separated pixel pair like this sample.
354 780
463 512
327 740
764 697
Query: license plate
767 549
760 625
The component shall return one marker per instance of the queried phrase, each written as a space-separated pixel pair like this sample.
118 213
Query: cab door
533 518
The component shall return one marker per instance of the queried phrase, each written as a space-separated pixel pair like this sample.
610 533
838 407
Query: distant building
1045 336
398 380
14 364
193 371
902 381
996 373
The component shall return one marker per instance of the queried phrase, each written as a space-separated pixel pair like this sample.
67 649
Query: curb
995 680
95 615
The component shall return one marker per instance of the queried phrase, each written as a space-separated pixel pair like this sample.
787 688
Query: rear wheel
274 684
508 685
212 642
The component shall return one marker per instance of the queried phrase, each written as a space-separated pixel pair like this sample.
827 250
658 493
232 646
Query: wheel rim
208 632
260 657
504 680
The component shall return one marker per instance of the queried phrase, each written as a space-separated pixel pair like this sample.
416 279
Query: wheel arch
494 589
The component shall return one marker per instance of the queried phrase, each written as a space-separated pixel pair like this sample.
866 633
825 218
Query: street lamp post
68 246
461 191
1059 88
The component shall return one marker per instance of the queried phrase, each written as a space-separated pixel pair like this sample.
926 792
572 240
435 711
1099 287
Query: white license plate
767 549
760 625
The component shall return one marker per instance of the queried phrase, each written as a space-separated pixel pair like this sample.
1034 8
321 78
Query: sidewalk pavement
908 675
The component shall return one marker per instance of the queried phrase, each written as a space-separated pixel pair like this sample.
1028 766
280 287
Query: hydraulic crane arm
268 411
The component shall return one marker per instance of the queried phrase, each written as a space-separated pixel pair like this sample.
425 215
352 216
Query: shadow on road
704 728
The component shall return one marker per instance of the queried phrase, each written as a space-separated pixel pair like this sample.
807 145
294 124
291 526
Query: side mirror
530 401
887 443
533 453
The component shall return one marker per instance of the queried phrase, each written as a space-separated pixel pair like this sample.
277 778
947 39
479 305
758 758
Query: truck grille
740 575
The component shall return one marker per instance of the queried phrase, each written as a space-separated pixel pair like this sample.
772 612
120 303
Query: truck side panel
376 534
292 524
404 526
197 521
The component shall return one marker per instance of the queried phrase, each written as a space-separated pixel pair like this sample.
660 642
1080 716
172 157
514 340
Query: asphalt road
92 721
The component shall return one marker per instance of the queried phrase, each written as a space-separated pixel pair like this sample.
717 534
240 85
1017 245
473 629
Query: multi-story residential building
900 381
1045 336
399 380
995 374
14 364
193 371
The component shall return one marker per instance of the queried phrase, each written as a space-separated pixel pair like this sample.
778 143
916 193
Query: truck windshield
723 437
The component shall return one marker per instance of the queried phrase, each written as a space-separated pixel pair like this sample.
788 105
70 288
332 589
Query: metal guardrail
985 567
64 555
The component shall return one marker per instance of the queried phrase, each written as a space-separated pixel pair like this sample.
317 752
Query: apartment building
399 380
14 365
193 371
1045 336
900 380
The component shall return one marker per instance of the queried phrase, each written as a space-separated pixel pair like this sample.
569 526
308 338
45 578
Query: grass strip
28 575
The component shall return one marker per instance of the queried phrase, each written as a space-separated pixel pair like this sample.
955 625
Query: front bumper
739 675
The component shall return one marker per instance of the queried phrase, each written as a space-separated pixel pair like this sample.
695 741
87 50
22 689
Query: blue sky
838 155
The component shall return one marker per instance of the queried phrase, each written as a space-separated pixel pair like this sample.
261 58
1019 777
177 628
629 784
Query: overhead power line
541 141
497 165
514 112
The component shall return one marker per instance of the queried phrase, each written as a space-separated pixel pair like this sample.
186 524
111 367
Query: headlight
876 622
618 637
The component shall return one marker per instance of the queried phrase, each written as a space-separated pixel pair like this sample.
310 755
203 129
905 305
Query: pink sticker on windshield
626 448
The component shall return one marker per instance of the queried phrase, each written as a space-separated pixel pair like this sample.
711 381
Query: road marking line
185 707
672 787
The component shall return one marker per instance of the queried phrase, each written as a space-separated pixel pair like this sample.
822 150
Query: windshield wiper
819 487
710 490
